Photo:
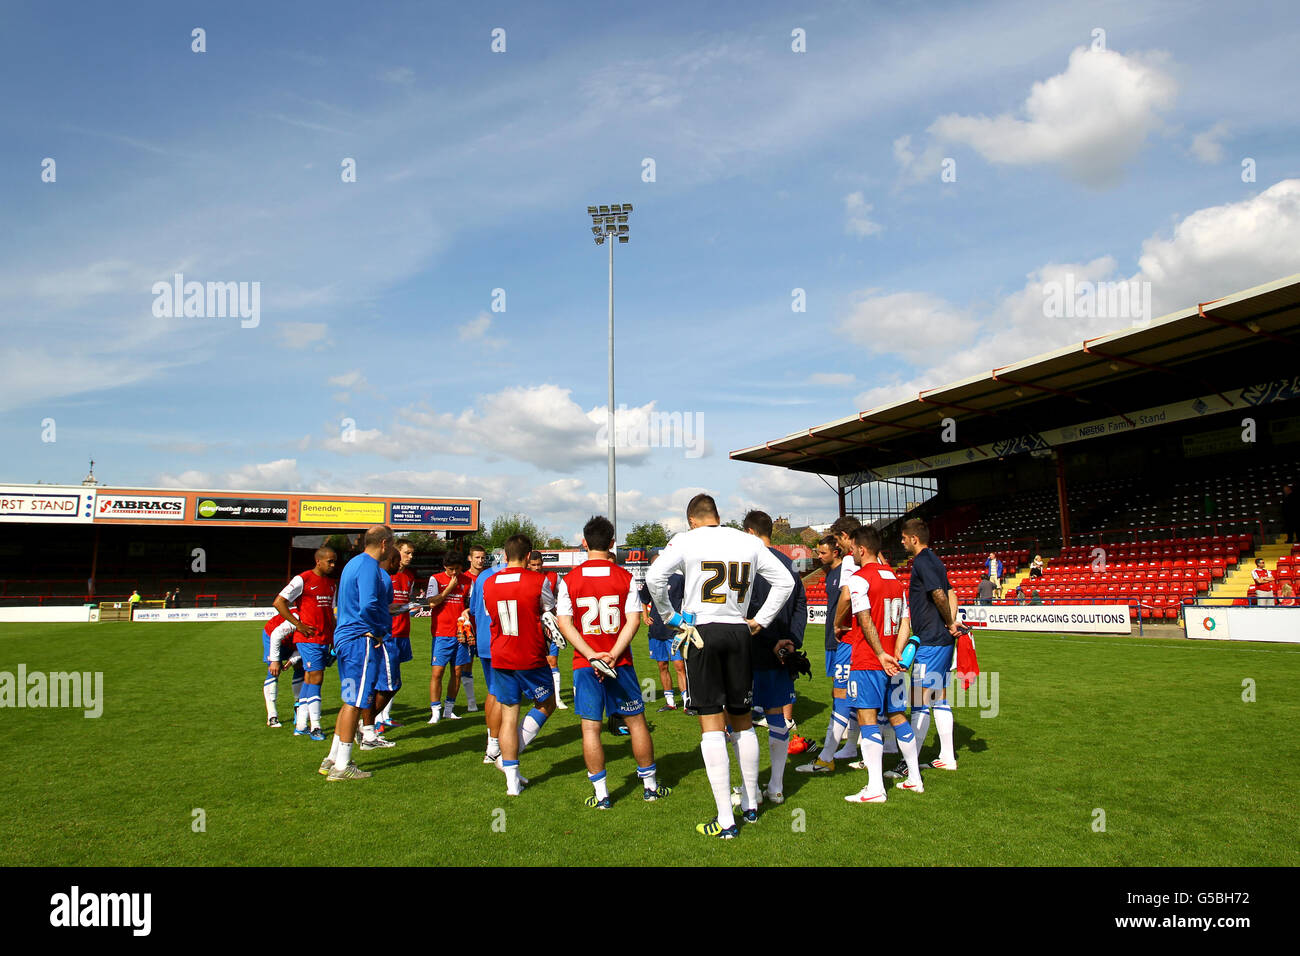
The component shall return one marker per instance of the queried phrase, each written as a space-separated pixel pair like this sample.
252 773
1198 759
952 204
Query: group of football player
727 614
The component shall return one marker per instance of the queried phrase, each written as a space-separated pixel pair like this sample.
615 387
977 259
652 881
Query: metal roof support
1229 324
1154 368
1062 392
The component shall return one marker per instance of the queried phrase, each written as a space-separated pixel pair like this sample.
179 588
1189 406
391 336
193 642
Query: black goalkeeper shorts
720 674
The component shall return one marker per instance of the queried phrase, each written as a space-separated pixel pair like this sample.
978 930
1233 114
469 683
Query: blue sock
871 733
903 732
840 708
644 772
539 717
776 727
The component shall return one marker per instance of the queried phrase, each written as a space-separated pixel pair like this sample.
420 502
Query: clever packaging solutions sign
52 504
1049 618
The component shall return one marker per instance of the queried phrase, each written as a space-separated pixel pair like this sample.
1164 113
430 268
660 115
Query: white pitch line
1059 637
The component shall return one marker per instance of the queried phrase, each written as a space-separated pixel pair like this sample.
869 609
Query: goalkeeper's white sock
851 737
943 727
713 745
467 682
747 757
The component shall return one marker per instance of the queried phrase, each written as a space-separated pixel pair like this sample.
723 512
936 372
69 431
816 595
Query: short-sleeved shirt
876 589
403 581
515 599
599 596
312 599
445 615
928 574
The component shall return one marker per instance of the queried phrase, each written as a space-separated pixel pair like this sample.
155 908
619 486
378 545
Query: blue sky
774 170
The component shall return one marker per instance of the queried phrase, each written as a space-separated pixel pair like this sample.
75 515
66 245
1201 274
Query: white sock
601 785
528 731
435 711
835 733
873 753
890 741
270 690
342 756
778 749
911 752
468 683
385 714
334 749
368 732
713 744
297 691
747 757
447 707
668 698
512 780
493 747
555 681
300 717
943 727
314 709
920 720
850 748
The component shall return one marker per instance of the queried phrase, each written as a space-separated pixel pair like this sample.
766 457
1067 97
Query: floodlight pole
613 506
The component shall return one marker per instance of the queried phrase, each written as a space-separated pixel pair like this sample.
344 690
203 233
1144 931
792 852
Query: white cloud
831 378
1089 121
856 223
1206 146
280 475
301 335
399 75
476 328
802 497
350 379
1213 252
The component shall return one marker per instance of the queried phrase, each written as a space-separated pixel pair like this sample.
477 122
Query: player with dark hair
307 603
403 583
598 612
719 565
933 605
446 594
535 563
773 685
877 682
516 598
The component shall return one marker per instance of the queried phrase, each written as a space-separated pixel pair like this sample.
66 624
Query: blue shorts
930 668
389 673
509 686
313 656
868 690
843 664
552 650
663 650
286 648
359 665
404 650
773 688
830 663
487 671
593 698
446 650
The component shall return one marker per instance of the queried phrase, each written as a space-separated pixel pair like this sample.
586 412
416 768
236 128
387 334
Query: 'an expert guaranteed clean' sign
1045 618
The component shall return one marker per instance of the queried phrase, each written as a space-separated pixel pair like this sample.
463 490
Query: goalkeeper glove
553 630
687 636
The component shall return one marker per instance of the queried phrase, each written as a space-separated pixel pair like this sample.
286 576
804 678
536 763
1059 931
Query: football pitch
1096 752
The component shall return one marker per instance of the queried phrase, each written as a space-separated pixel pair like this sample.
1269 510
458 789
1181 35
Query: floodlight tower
610 223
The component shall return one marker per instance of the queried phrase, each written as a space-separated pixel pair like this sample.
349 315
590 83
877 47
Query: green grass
1154 732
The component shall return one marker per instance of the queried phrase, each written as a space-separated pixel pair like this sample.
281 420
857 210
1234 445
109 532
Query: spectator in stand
994 568
1290 514
1036 569
985 590
1263 579
1286 597
1036 599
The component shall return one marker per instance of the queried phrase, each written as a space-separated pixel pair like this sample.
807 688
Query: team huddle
725 608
